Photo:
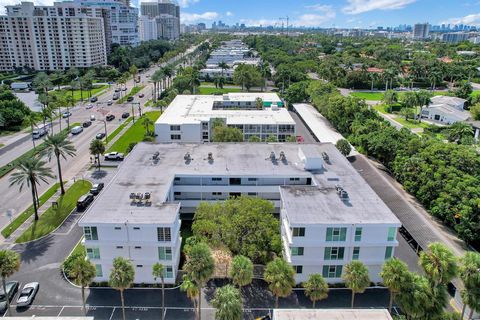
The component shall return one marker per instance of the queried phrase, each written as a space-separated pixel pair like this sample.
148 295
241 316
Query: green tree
271 139
82 273
133 70
259 103
158 271
247 76
297 92
463 90
228 303
344 147
415 299
459 130
356 278
9 264
227 134
147 123
316 288
200 267
439 264
121 278
390 97
191 289
254 139
395 276
42 83
60 146
97 148
470 275
241 271
224 66
31 120
475 111
31 171
280 277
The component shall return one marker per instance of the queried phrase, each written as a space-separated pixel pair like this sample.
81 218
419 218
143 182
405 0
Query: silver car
27 294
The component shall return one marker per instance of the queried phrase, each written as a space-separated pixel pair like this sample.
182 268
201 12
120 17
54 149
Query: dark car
93 99
87 124
100 136
141 95
84 201
96 188
12 288
110 117
117 90
130 99
125 115
124 89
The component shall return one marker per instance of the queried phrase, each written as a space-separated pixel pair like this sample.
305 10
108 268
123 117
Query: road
18 201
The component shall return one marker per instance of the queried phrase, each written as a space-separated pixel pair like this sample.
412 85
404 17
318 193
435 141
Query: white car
114 156
27 294
92 117
89 106
66 114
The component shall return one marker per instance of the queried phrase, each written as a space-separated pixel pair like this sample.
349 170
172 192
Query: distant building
455 37
147 28
166 14
446 110
201 26
421 31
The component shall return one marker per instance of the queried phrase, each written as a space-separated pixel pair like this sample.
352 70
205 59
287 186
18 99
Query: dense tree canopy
12 111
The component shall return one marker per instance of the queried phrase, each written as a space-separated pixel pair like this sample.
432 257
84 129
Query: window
388 252
252 179
334 253
356 253
163 234
298 232
294 179
298 269
118 228
90 233
119 247
332 271
139 265
136 228
216 179
98 270
175 128
392 232
93 253
175 137
297 251
336 234
168 272
164 253
216 193
358 234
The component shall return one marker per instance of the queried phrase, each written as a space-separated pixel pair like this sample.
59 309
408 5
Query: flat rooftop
193 109
139 173
331 314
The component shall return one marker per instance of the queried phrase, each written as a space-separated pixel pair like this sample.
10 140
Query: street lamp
106 135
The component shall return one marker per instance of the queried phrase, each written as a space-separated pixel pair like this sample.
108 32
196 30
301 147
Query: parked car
92 117
38 133
87 124
96 188
89 106
116 96
130 99
93 99
12 288
110 117
109 102
100 136
66 114
76 130
84 201
27 294
125 115
114 156
141 95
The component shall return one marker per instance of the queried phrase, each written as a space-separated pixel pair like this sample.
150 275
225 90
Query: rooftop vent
343 195
156 155
187 157
139 196
133 196
325 156
210 156
339 188
283 157
273 157
147 195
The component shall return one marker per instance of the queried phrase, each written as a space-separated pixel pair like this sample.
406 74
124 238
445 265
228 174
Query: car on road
100 136
141 95
114 156
66 114
84 201
93 99
125 115
96 188
12 288
38 133
92 117
110 117
117 89
124 89
27 294
76 130
115 96
129 99
109 102
89 106
87 124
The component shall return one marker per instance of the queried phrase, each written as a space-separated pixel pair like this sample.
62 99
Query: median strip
133 92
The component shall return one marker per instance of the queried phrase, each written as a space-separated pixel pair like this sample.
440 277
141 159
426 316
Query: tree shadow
31 251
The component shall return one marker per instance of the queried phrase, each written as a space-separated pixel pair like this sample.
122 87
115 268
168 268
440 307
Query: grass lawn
374 96
135 133
53 217
380 108
475 93
18 221
410 124
120 128
132 92
209 90
30 153
77 94
79 248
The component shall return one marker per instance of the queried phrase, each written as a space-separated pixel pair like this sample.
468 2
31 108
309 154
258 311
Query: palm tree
265 71
416 298
390 97
42 83
193 80
59 145
192 290
224 66
470 275
458 130
200 267
82 274
97 147
259 103
133 71
241 271
439 264
31 171
156 78
9 264
395 275
122 277
31 120
356 278
228 303
316 288
423 99
158 271
280 278
168 71
147 122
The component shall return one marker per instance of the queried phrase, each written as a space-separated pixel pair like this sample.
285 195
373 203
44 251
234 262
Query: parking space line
113 311
58 315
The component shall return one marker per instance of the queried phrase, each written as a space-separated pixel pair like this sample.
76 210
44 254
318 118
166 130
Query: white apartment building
163 17
51 38
191 118
147 28
137 214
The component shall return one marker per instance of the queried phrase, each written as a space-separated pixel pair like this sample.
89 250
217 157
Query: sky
324 13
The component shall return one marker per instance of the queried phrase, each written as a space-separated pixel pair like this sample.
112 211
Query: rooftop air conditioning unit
156 155
273 157
343 195
187 156
132 196
147 195
325 156
210 156
139 196
282 156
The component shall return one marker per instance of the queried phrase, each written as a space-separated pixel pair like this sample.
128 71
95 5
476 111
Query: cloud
361 6
323 13
229 14
186 3
194 17
469 19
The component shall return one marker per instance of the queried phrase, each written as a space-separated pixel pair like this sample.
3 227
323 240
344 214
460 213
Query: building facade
455 37
166 15
421 31
136 216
